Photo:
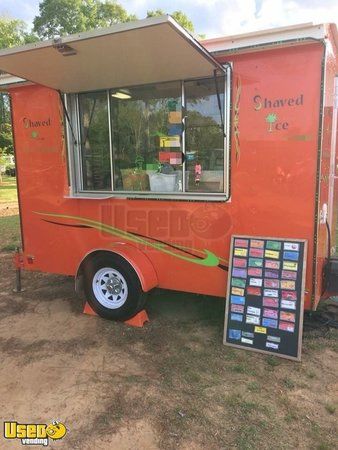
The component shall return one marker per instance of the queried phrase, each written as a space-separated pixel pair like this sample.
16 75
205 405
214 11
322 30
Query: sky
213 17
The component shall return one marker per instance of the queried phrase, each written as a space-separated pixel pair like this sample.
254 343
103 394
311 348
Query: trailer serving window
148 109
163 138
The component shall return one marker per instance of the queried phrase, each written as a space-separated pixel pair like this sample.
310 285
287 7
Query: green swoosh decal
209 260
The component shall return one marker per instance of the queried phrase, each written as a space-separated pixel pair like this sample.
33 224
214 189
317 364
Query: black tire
135 296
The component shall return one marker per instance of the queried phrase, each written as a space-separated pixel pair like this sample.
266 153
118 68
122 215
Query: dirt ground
169 385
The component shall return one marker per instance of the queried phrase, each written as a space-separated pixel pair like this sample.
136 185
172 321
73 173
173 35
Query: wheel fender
136 258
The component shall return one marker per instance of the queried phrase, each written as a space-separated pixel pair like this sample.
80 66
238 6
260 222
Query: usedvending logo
34 433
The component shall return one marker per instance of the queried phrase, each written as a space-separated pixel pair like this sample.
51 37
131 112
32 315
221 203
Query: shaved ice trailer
140 151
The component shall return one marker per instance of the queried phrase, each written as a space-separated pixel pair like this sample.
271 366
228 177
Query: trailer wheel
112 287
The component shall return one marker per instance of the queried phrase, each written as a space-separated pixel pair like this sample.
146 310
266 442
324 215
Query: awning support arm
67 117
219 102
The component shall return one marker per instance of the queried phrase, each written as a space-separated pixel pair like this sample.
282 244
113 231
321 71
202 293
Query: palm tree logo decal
271 119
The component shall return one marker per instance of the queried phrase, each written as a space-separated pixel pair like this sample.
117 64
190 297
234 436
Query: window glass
95 150
204 134
147 133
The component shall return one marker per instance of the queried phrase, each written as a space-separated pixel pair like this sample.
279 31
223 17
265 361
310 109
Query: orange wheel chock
89 310
136 321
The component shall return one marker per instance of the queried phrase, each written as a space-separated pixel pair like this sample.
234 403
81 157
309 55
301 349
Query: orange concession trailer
140 151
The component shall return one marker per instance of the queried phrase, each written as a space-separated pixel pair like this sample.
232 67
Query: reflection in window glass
147 130
204 135
95 152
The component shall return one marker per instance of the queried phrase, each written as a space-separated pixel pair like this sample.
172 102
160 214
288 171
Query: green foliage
179 16
183 20
6 141
60 17
13 32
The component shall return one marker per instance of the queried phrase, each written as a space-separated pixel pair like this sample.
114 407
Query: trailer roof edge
269 37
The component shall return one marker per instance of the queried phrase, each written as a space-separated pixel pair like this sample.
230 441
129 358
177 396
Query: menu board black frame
265 295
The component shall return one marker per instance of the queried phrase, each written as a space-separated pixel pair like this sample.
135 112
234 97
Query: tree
60 17
110 13
13 32
179 16
6 141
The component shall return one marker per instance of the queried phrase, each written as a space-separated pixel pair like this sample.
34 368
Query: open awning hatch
129 54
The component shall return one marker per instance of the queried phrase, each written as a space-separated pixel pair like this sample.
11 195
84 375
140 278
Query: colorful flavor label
255 262
272 264
288 265
241 242
287 326
254 320
271 345
271 274
248 334
287 284
273 245
255 282
270 302
289 295
270 293
270 283
237 308
270 313
261 330
241 252
238 282
271 323
271 254
288 304
241 273
234 334
287 316
273 338
293 256
237 299
256 252
253 272
253 311
256 243
293 246
237 291
288 275
236 317
239 262
254 290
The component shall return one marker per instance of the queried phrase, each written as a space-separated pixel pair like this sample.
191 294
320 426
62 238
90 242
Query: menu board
265 295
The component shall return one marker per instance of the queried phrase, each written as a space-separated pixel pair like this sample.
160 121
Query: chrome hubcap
110 288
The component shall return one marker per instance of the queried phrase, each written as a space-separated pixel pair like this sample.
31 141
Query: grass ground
10 233
8 190
170 385
9 218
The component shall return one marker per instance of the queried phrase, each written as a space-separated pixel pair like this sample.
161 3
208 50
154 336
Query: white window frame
75 165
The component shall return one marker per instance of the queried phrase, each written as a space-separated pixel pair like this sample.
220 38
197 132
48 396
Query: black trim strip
176 248
67 224
317 192
67 116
